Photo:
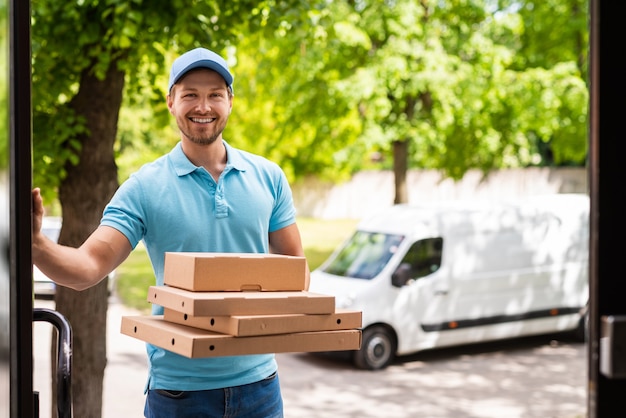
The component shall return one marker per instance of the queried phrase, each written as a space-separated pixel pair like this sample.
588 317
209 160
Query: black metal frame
20 288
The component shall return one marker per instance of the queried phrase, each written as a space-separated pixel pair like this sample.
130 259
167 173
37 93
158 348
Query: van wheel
378 349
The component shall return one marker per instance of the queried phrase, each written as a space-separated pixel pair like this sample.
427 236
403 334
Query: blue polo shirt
174 206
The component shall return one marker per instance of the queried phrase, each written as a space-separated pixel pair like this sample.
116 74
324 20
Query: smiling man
203 196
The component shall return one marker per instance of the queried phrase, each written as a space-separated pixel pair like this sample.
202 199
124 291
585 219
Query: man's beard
204 140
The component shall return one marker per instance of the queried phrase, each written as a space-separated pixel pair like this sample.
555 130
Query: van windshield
364 255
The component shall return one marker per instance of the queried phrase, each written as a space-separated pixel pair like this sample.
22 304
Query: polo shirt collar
235 160
183 166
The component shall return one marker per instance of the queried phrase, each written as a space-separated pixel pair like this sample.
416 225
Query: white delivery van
452 273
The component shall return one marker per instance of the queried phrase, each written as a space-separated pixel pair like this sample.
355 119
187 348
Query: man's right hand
38 210
77 268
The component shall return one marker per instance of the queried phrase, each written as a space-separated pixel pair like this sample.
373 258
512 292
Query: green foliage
442 76
446 77
71 40
540 45
321 86
145 132
287 104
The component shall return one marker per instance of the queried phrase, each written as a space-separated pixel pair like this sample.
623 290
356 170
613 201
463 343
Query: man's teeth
203 120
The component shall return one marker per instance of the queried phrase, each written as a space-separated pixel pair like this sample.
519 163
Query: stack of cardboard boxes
223 304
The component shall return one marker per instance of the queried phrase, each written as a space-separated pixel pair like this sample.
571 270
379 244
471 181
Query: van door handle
442 292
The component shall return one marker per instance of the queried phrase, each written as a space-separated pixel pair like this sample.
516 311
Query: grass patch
319 238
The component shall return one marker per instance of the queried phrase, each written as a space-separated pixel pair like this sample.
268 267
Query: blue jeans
256 400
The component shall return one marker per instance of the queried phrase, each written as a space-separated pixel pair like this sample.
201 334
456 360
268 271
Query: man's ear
170 102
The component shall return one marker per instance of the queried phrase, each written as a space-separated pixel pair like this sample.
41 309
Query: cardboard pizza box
240 303
249 325
203 272
196 343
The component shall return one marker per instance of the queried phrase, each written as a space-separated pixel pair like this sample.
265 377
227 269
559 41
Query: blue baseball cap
199 58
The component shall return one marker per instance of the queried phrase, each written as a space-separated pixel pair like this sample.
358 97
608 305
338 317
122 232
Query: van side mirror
402 275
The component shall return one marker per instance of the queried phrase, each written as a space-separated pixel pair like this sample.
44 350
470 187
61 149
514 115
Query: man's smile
202 120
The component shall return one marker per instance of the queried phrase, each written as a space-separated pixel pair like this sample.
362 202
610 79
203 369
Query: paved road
543 377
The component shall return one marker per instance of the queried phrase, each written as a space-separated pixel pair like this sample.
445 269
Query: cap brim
209 64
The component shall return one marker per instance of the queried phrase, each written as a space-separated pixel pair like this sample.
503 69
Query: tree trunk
400 167
83 194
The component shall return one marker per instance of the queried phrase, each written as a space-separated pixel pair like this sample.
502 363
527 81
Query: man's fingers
37 210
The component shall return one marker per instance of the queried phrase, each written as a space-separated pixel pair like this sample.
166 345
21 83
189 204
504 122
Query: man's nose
204 104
